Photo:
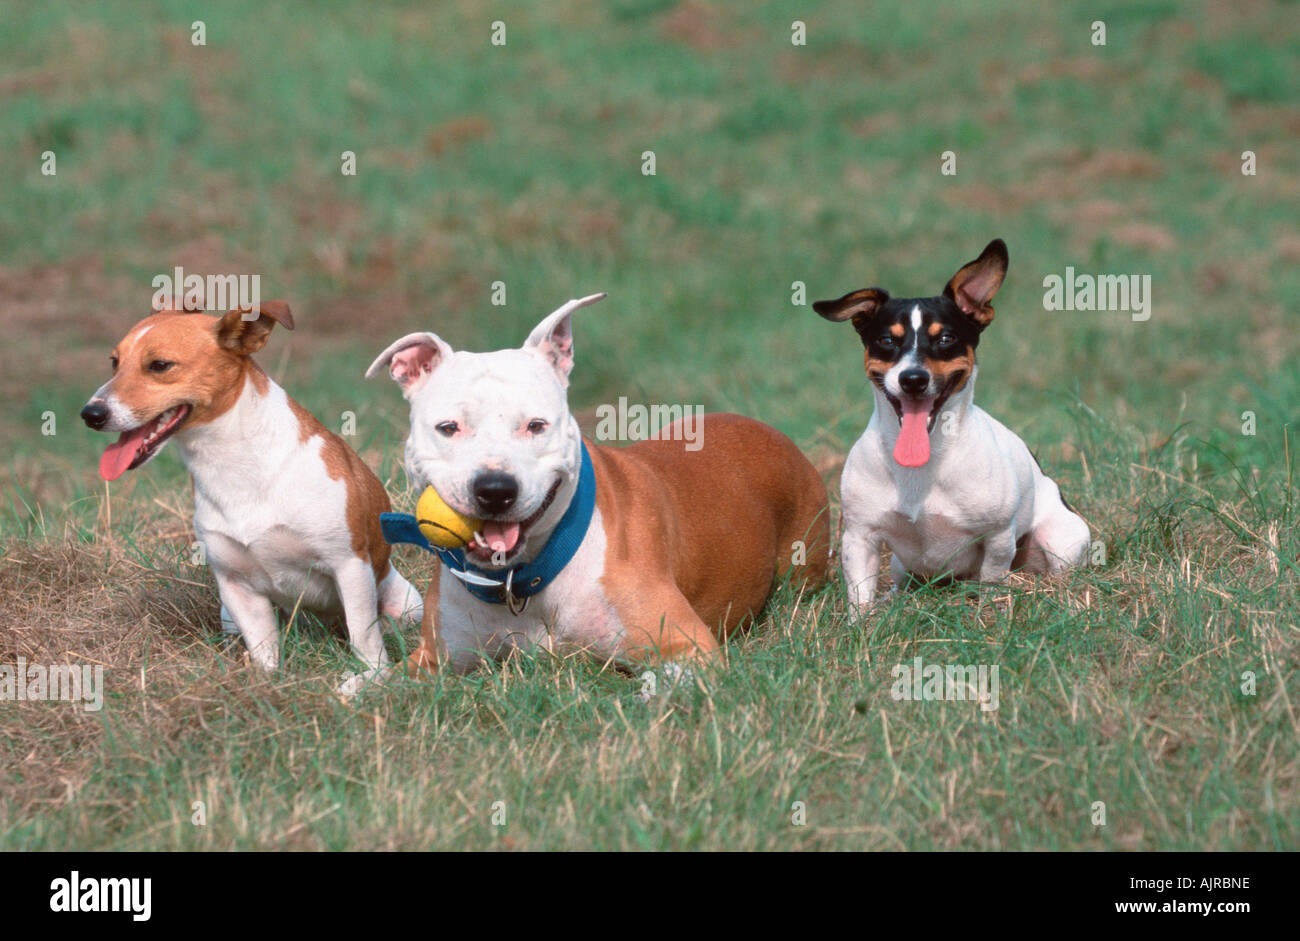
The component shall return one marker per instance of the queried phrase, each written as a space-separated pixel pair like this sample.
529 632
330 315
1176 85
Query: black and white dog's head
921 350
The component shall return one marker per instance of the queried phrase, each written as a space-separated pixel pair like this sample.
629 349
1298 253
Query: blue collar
523 581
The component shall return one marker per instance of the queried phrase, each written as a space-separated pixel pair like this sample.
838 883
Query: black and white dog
949 487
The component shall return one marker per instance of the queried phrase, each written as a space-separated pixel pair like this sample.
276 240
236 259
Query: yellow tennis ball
442 525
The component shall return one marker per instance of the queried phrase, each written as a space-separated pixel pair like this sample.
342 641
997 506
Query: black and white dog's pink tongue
500 537
912 449
117 457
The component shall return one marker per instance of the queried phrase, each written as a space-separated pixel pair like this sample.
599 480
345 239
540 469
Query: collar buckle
511 600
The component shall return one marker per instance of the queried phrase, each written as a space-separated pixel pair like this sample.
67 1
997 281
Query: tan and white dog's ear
974 285
240 332
411 360
553 337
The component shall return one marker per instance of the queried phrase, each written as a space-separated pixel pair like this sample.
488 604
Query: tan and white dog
286 512
681 547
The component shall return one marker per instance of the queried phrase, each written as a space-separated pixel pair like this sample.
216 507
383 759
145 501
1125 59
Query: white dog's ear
553 337
411 360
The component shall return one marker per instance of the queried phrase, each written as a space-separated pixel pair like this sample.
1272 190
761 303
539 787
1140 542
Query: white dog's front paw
354 683
669 677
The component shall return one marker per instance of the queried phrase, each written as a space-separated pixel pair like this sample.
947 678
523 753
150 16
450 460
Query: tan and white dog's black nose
495 492
95 415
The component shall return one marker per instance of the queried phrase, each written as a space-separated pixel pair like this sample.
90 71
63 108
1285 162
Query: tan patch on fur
762 497
875 368
258 375
206 377
430 654
956 370
366 496
935 329
898 330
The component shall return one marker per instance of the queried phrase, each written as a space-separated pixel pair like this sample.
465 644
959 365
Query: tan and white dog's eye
160 365
447 428
537 426
112 361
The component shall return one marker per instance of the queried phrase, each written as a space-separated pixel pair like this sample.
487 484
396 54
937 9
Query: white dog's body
979 502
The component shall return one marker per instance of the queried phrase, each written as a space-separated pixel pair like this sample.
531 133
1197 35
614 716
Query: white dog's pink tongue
500 537
117 457
912 449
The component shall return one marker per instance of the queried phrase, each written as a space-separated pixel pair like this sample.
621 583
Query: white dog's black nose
495 492
913 381
95 414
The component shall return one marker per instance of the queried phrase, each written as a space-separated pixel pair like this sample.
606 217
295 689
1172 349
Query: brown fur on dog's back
726 517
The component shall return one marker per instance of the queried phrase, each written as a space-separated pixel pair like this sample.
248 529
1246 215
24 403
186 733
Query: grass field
775 163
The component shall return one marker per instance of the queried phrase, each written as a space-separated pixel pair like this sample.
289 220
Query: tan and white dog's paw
354 683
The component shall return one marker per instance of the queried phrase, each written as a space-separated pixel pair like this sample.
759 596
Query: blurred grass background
775 164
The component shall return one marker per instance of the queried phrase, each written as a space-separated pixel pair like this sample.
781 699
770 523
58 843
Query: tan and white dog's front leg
356 584
254 615
228 625
860 560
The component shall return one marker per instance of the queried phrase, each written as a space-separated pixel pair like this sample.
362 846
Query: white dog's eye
447 428
537 426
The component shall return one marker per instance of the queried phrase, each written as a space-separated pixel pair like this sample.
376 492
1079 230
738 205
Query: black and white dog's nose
913 381
95 414
495 492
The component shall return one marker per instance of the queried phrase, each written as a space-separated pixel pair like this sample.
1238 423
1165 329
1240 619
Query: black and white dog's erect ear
973 287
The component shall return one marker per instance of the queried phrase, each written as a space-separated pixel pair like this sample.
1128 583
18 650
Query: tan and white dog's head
492 432
174 370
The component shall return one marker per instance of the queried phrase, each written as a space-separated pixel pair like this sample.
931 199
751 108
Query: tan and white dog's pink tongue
912 449
117 457
500 537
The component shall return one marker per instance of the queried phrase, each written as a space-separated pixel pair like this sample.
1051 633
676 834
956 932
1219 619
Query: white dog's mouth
497 541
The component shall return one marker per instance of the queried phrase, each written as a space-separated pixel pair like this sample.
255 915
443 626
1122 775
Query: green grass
775 164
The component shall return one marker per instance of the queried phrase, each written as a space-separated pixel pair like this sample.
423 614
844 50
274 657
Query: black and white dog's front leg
860 559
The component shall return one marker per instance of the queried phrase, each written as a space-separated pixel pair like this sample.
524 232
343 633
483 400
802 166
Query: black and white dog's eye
946 339
447 428
887 341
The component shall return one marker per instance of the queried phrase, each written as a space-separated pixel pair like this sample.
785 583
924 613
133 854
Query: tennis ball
442 525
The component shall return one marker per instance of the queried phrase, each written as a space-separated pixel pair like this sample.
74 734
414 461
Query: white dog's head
492 432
